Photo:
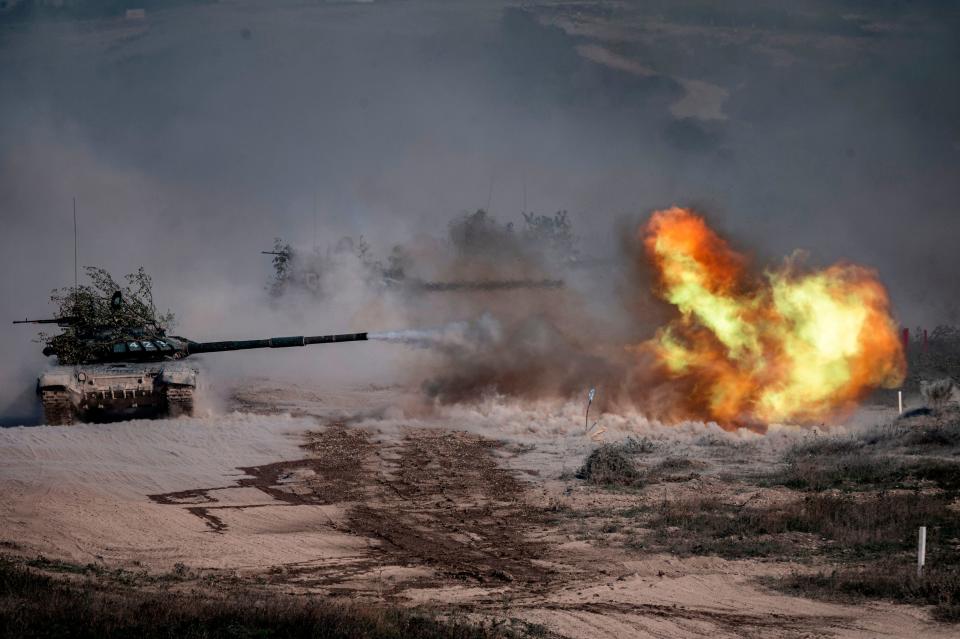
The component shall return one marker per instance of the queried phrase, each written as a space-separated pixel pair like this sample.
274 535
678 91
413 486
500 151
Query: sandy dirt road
381 510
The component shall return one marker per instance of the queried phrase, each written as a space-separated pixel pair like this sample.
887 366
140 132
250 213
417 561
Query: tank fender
51 379
179 376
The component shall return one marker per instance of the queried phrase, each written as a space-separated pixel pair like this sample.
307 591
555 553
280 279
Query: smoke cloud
195 137
456 339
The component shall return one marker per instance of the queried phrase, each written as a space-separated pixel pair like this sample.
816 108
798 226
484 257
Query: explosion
786 345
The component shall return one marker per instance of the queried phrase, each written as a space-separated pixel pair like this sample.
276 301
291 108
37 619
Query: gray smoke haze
193 138
458 339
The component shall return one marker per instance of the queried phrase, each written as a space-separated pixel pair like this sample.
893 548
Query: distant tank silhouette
309 273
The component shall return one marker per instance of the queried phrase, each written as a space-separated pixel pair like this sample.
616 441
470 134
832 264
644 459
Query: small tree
282 263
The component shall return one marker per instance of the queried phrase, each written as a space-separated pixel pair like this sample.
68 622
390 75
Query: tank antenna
76 280
524 192
493 178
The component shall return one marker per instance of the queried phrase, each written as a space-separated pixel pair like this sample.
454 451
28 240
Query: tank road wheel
179 401
57 408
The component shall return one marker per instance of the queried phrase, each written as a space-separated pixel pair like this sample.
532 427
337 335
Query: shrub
610 464
822 472
937 393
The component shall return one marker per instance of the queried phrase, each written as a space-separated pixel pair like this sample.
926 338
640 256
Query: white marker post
921 550
900 401
586 416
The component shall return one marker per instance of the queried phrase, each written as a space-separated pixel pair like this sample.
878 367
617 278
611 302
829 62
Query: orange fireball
786 345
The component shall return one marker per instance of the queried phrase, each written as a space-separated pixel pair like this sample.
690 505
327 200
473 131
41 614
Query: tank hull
105 392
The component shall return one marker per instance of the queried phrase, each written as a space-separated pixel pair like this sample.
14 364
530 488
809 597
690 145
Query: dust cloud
193 138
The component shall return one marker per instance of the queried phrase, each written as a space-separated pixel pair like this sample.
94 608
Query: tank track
57 408
179 401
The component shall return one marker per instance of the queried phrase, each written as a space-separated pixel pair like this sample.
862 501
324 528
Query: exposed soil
450 506
435 498
426 514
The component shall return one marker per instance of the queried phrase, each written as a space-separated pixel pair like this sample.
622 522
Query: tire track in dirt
743 623
440 513
338 472
435 499
450 506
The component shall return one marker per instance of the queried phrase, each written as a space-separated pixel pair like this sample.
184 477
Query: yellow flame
783 346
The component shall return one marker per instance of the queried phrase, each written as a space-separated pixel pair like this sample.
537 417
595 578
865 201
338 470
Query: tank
315 272
133 371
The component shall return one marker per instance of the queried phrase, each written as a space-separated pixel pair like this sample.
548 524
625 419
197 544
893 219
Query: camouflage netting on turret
97 318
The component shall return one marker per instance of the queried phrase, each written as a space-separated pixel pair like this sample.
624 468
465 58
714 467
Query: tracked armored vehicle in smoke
484 254
137 371
115 358
314 273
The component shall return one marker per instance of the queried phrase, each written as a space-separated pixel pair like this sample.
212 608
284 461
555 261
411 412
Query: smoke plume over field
195 137
742 345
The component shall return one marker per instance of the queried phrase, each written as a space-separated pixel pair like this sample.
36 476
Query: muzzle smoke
456 339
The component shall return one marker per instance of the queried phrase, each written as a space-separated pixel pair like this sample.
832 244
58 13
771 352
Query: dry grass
939 587
922 434
708 526
39 605
919 434
856 527
675 469
854 501
907 454
889 481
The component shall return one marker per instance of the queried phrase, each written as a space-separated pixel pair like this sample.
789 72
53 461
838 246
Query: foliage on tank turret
98 317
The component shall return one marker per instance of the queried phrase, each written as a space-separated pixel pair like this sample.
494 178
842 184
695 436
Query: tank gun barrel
488 285
273 342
